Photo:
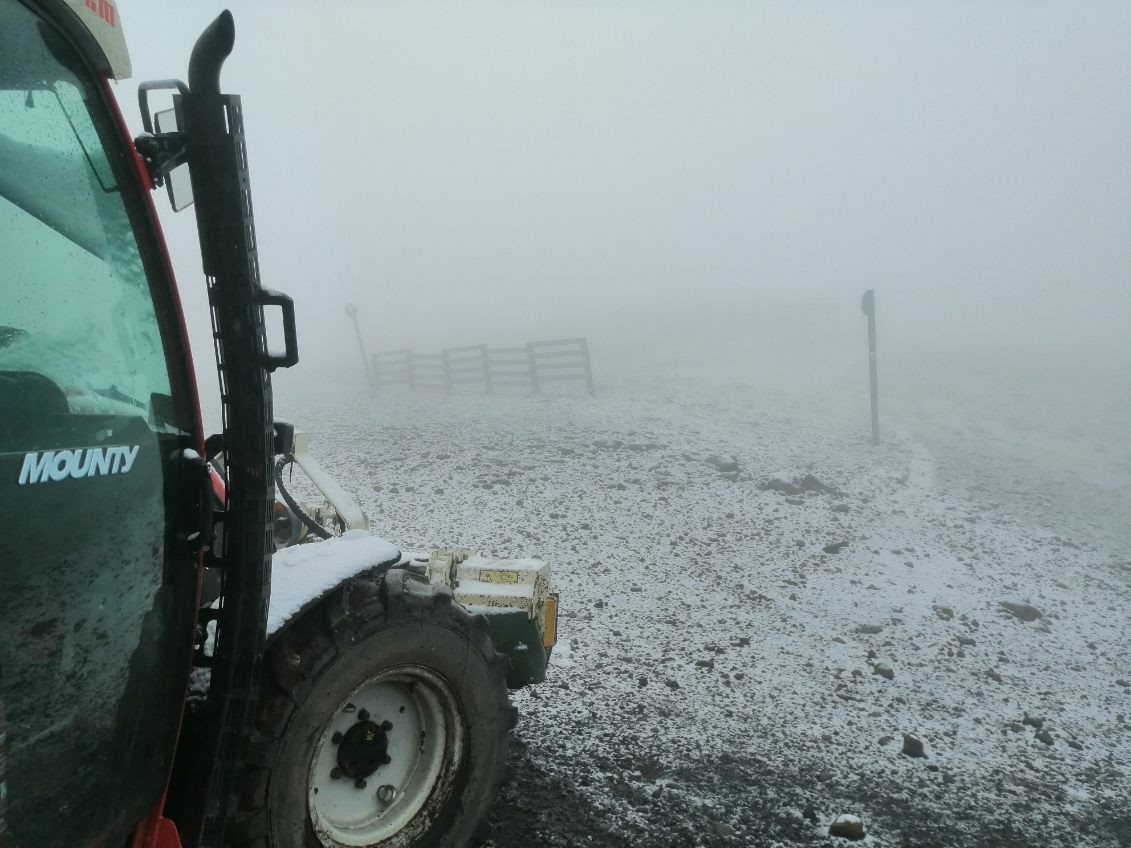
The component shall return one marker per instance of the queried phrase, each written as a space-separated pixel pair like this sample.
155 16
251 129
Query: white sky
498 171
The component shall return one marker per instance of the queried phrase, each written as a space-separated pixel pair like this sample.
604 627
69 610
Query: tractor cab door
97 583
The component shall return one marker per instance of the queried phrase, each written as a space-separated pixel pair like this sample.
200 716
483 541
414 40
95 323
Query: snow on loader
167 679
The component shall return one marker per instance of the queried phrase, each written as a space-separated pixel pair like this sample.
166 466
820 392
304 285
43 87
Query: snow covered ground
758 604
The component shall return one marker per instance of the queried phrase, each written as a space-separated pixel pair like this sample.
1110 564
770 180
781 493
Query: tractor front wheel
383 721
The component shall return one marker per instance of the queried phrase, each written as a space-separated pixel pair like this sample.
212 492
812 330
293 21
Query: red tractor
155 689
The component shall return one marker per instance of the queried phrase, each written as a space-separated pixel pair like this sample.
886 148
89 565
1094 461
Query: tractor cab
97 402
106 500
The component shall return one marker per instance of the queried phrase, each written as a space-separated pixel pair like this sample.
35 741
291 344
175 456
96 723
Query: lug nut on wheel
387 794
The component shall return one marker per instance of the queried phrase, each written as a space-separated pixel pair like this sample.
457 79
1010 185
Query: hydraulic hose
310 524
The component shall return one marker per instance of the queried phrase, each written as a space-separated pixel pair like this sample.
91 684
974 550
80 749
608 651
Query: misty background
699 188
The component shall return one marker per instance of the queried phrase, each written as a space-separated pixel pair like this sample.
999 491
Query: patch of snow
303 573
562 655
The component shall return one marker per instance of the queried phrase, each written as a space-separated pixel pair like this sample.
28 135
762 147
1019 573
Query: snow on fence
528 368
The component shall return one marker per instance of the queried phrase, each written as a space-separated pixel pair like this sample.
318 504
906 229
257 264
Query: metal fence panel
538 362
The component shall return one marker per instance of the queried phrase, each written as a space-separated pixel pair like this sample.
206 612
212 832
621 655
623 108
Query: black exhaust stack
213 747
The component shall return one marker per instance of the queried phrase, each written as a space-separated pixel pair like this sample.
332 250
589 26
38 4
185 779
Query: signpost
868 306
351 311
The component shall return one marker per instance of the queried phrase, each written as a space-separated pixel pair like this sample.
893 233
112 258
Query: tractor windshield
76 308
96 591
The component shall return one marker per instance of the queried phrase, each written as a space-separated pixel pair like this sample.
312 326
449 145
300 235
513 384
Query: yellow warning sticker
498 576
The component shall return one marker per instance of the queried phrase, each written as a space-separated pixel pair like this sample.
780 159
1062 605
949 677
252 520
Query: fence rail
528 367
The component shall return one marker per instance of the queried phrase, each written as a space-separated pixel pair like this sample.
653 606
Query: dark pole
868 305
351 311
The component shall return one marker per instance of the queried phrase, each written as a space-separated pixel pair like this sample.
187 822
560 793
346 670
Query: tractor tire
383 720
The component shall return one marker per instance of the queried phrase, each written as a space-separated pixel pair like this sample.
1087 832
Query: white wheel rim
422 740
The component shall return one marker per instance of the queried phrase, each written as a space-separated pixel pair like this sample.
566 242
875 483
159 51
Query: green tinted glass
75 307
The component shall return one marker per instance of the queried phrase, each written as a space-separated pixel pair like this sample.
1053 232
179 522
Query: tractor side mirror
177 181
163 144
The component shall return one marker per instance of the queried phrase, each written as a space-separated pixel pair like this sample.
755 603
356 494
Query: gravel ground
758 605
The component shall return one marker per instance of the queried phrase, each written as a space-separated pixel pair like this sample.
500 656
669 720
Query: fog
506 171
700 189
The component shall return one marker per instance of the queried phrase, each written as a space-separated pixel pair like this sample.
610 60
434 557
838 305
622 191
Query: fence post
534 387
868 306
588 366
351 311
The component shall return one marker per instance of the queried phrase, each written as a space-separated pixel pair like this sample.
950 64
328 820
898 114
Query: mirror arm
162 153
